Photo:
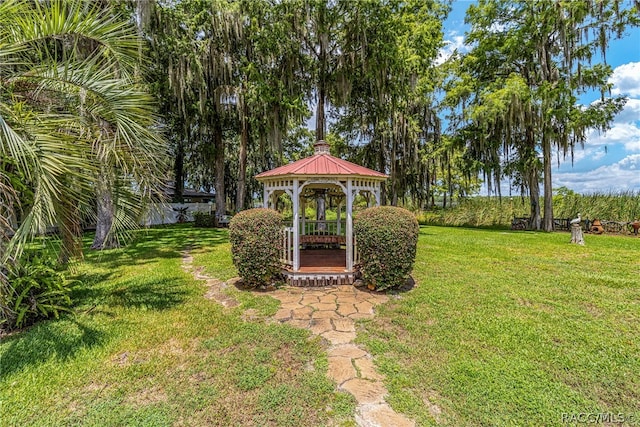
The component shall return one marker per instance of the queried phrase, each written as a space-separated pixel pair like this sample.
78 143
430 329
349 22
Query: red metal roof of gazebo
321 164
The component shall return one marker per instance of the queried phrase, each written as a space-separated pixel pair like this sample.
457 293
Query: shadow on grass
103 291
161 242
407 286
62 339
139 292
59 339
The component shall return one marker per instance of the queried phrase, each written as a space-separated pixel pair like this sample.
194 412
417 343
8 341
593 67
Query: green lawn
502 328
146 349
513 328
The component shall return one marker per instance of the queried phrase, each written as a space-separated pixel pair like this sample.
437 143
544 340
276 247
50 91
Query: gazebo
320 251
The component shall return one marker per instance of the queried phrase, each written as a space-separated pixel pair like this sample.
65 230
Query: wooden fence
589 226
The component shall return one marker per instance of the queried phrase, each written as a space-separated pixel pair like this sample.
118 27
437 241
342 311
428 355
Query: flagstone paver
326 306
346 309
282 314
341 369
366 369
329 312
337 337
318 326
302 324
364 307
325 314
309 299
351 351
365 391
377 415
328 298
303 313
342 324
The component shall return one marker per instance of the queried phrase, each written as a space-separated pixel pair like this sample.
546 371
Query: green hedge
256 246
387 237
204 219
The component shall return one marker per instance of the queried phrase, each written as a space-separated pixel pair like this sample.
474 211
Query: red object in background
596 227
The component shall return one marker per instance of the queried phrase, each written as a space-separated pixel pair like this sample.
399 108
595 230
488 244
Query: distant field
498 212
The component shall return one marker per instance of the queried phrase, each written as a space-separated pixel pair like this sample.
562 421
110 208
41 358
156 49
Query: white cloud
455 42
619 176
625 131
625 134
626 79
597 155
630 113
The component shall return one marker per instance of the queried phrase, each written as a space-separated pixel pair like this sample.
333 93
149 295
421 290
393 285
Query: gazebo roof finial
321 147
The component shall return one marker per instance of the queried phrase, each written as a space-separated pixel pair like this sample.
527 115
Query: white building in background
171 213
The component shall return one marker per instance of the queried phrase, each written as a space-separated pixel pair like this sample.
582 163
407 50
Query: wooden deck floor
323 261
320 267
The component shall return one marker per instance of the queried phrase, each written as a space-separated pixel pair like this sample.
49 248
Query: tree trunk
449 184
548 187
382 162
323 41
576 234
534 197
178 169
320 118
218 146
70 232
242 158
547 76
104 238
530 171
394 172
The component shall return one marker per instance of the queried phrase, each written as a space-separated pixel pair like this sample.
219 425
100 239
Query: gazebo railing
287 246
334 228
326 227
286 236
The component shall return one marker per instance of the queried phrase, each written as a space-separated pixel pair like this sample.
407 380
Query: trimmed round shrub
256 245
387 239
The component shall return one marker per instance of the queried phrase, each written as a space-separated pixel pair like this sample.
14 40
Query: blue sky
609 161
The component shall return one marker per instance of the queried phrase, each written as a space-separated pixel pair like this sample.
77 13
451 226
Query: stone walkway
215 287
331 313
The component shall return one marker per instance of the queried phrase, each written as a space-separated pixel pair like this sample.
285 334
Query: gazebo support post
338 225
321 215
296 225
304 216
349 230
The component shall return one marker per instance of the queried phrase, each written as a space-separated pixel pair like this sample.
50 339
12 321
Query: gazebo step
317 279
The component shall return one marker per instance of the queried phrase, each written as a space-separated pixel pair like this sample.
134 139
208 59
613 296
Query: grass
145 348
512 328
503 328
494 212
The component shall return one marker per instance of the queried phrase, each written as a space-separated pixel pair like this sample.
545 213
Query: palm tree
75 119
